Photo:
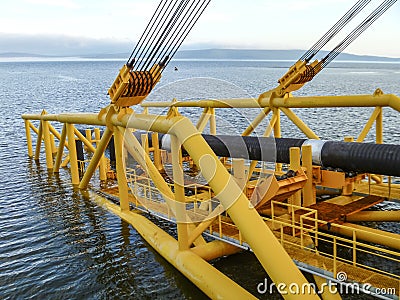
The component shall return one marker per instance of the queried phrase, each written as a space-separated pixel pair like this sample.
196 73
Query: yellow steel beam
120 165
28 137
142 158
198 230
309 193
156 151
212 282
369 124
203 120
251 225
373 100
35 130
73 158
97 157
60 150
39 141
275 118
383 100
145 142
72 118
88 135
179 192
102 165
216 103
367 234
55 132
375 216
213 124
325 284
299 123
215 249
277 133
53 143
257 120
379 127
334 101
47 145
65 162
85 141
294 154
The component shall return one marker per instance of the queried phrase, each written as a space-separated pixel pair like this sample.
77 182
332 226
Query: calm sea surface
57 244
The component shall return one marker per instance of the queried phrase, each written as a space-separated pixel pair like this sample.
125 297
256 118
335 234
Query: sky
73 27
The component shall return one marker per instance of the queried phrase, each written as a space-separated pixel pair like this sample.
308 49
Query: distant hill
269 55
223 54
21 54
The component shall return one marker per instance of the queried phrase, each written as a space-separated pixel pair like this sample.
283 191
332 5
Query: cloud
61 45
59 3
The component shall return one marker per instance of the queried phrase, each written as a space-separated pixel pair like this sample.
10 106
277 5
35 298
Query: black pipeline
381 159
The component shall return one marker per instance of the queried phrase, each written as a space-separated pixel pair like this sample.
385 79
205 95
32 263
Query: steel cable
170 25
180 30
154 38
343 21
188 29
145 33
379 11
149 38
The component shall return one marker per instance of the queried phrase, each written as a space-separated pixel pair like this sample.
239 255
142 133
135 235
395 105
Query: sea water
55 243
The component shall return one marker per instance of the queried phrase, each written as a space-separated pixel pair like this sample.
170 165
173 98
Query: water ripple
56 244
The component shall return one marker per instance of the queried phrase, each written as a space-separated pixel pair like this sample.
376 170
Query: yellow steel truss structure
189 253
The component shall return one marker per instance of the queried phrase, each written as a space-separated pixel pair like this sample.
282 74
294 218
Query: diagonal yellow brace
98 154
369 124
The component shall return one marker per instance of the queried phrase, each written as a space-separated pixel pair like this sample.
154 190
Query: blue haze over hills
217 54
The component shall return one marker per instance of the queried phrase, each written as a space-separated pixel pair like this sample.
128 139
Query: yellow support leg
121 174
60 150
73 158
213 123
277 133
379 127
39 141
53 144
47 145
88 135
369 124
156 151
179 191
309 192
295 199
28 137
102 165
